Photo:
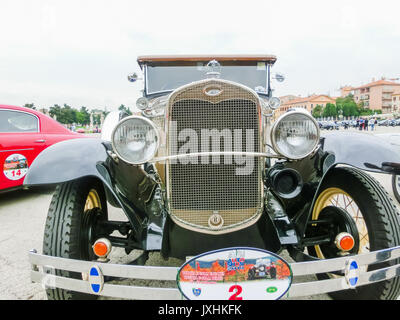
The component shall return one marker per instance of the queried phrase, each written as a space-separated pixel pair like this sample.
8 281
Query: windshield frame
164 92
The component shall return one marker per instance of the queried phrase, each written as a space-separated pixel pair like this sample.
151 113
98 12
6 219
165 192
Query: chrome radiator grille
226 185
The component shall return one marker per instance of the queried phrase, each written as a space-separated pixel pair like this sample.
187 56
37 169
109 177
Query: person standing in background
361 123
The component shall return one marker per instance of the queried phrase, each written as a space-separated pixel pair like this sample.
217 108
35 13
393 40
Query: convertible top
189 59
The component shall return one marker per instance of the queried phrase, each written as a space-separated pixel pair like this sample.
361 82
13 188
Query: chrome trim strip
330 265
169 273
109 290
234 153
331 285
113 270
16 150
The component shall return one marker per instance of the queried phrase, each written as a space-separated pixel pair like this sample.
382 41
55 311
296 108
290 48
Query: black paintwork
181 242
360 150
126 186
132 189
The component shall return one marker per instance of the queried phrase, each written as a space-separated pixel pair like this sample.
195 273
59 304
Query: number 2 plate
235 274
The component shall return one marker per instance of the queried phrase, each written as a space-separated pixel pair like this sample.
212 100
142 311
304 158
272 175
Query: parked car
207 171
353 123
384 122
329 125
346 124
24 133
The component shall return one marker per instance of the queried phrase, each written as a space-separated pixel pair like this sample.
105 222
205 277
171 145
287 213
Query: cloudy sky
80 52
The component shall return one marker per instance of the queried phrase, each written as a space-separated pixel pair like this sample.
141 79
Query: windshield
168 78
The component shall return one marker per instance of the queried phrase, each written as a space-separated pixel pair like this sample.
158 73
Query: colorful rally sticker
15 166
235 274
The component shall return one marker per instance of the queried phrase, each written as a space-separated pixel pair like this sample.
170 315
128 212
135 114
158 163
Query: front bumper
44 272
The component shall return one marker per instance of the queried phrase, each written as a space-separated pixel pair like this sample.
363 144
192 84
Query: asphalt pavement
22 219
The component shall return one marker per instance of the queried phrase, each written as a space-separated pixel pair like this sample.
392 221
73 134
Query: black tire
63 236
396 187
383 225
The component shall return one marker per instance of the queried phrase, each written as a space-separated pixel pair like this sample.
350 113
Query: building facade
396 101
345 91
376 95
307 103
287 98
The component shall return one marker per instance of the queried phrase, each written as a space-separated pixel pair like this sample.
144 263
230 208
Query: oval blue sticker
96 279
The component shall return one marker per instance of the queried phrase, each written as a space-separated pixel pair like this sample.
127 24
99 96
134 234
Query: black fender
65 161
359 150
70 160
78 158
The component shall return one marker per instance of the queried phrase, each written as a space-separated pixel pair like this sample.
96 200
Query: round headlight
274 103
135 140
295 135
142 103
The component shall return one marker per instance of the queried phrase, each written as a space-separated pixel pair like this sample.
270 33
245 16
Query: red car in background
24 133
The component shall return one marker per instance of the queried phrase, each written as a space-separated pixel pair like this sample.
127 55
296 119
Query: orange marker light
344 241
102 247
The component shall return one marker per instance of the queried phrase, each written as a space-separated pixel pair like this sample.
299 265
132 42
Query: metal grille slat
200 186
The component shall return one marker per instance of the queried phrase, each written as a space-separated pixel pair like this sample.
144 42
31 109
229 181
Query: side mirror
279 77
133 77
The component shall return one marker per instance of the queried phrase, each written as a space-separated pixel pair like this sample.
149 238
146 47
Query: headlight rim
282 117
277 105
142 99
148 121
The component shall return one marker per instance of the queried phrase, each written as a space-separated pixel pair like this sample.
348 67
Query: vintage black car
262 269
207 165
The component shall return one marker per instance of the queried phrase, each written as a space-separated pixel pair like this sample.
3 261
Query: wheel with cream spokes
344 216
352 201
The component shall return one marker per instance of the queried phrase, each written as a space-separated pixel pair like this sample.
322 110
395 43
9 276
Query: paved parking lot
22 218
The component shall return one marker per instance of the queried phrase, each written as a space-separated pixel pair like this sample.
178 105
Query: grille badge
212 90
215 221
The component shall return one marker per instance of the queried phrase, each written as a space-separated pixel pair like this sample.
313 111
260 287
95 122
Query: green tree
329 110
317 111
348 106
55 111
30 106
96 119
68 115
123 108
83 116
